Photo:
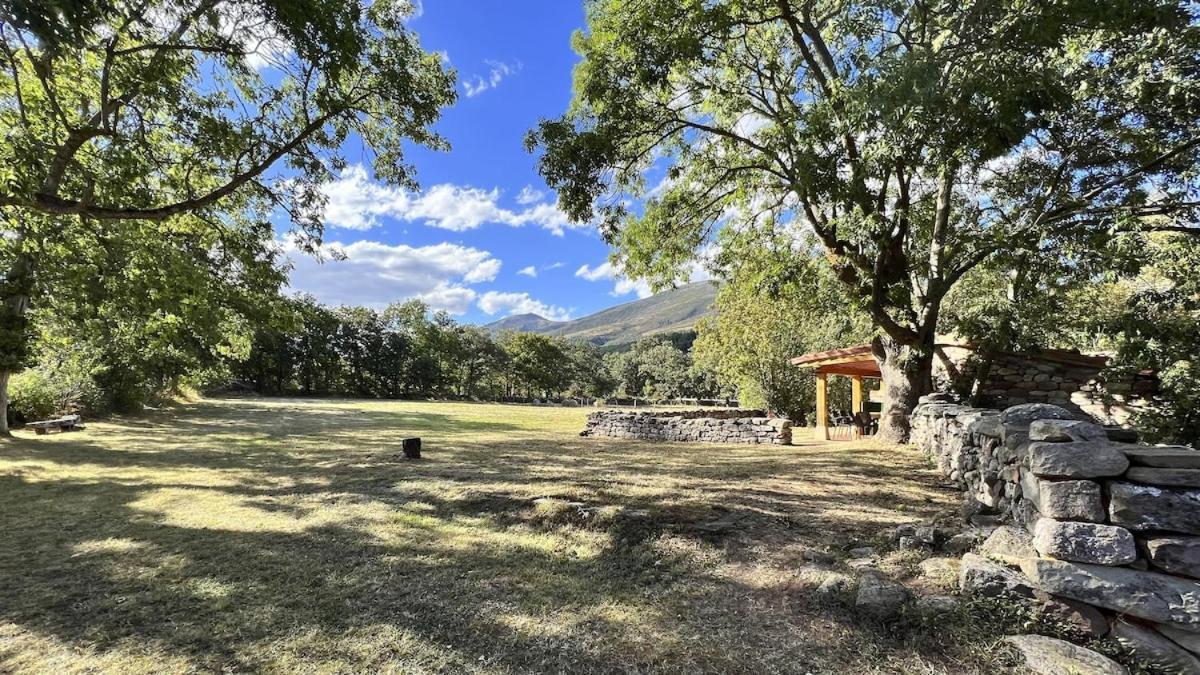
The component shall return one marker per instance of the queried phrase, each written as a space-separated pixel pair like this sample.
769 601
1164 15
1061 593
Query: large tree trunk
907 375
4 377
14 309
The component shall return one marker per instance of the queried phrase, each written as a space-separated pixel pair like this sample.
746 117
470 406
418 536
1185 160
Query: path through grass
278 535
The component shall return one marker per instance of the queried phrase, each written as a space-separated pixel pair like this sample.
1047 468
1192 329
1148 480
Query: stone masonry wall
1106 528
1074 382
704 426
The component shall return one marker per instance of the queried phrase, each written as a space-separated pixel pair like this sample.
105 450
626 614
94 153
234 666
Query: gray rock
1051 656
880 598
1078 459
936 605
1068 499
1177 555
1065 430
979 576
835 585
1078 618
1166 456
1084 542
1160 476
1145 507
939 569
986 425
1151 596
963 541
1009 545
1186 639
926 535
862 552
1028 413
1154 649
864 565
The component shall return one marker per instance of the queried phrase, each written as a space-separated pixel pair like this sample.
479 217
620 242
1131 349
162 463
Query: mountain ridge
671 311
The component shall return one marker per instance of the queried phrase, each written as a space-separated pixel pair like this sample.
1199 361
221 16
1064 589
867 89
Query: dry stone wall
1097 520
1065 379
695 426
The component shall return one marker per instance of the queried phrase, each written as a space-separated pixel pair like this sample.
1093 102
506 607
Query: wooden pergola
856 363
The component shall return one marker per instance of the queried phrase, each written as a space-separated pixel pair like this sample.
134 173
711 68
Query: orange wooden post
822 408
856 399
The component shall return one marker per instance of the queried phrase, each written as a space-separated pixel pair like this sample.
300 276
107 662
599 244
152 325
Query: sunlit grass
292 535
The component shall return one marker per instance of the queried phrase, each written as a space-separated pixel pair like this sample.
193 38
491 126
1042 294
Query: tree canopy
151 143
915 140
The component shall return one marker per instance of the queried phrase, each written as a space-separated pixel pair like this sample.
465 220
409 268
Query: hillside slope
670 311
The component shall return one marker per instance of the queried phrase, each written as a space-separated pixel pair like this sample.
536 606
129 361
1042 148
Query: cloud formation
621 284
375 274
529 271
497 71
494 302
355 202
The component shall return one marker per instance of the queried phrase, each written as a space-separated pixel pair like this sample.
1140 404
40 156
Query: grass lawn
279 535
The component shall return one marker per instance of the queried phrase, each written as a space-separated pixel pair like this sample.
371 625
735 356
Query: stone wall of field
1105 528
692 426
1066 379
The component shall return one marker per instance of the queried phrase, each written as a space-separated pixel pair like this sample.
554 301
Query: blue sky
483 239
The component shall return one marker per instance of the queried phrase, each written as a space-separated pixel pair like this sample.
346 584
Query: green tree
538 364
135 115
778 301
915 139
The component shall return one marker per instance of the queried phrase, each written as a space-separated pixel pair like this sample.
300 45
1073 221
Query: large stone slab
1147 595
880 598
1146 507
1066 430
979 576
1177 555
1159 476
1183 638
1009 545
1079 459
1084 542
1166 456
1051 656
1153 649
1028 413
1067 499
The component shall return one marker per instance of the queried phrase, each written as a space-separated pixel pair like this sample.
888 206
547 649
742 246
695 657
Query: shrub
33 396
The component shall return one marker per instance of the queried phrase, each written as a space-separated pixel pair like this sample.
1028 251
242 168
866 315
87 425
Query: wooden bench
64 423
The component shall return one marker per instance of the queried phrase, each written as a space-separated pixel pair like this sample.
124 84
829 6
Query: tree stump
412 448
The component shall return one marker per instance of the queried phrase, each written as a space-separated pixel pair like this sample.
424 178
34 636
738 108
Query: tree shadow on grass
453 563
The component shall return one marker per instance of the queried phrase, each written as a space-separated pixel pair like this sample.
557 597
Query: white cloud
374 274
554 266
529 271
621 284
494 302
355 202
497 71
529 195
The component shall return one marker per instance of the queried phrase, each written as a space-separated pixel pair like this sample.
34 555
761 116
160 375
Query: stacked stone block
700 426
1114 525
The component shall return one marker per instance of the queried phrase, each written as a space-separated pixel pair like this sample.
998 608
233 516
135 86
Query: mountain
667 312
528 323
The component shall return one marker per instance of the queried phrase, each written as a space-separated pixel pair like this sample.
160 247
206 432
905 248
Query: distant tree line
407 351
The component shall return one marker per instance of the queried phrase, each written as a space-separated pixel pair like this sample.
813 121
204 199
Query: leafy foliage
916 140
146 146
777 302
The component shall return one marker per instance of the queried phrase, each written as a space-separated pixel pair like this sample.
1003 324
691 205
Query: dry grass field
277 535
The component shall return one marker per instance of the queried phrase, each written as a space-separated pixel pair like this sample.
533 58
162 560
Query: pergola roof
857 360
